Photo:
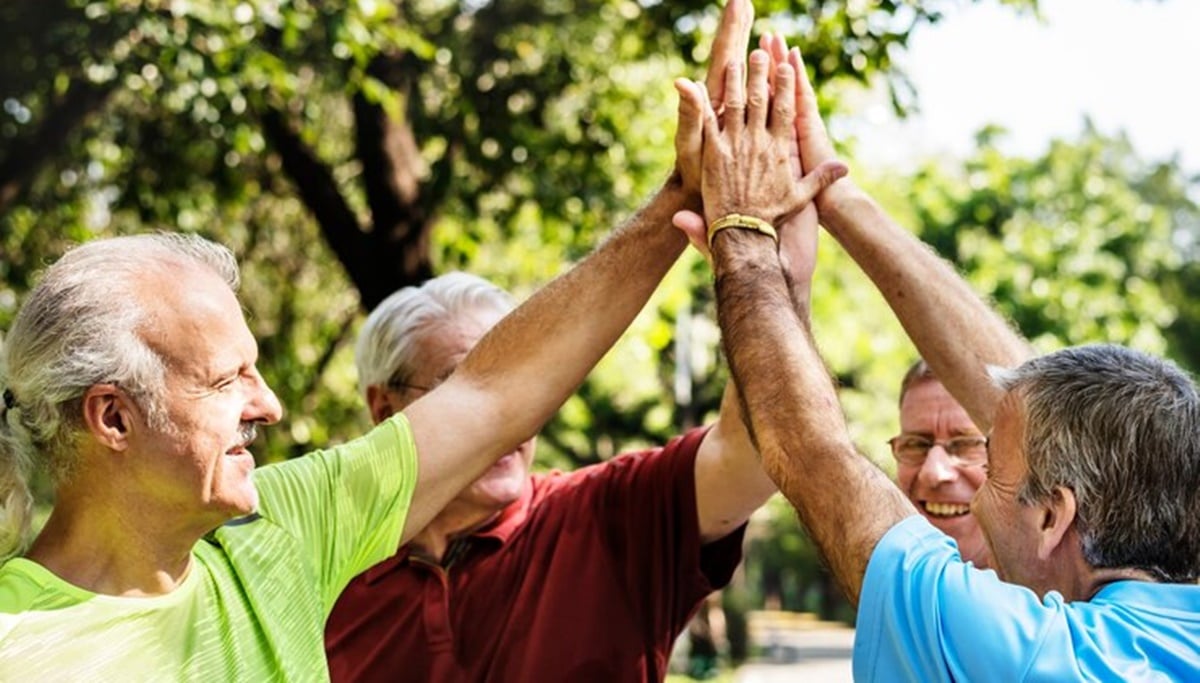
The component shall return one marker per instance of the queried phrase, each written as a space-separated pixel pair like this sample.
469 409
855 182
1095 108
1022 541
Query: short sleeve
347 505
925 615
648 500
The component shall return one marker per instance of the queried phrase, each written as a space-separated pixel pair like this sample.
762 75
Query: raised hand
748 154
798 236
729 45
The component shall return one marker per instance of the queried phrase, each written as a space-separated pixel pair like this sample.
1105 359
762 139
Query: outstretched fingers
783 105
729 45
815 145
733 116
758 96
689 132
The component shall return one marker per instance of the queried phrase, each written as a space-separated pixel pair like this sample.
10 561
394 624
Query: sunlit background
345 149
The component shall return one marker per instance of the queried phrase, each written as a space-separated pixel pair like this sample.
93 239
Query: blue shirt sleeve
926 615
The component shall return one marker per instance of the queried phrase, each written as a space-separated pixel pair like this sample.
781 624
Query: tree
531 124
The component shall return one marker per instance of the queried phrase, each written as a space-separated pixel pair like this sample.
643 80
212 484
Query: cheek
975 477
905 476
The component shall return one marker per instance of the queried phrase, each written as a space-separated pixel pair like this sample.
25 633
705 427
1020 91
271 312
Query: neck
454 522
1102 577
105 550
1080 581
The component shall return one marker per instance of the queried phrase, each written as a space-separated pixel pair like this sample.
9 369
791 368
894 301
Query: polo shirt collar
1174 597
501 529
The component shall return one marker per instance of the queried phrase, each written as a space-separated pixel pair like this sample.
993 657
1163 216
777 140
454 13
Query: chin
502 491
239 502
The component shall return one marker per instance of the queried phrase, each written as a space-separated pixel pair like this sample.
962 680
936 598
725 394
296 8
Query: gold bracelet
737 220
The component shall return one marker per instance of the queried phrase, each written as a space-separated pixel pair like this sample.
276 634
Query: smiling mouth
945 509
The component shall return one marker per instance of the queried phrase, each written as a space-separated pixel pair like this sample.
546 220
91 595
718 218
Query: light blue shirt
925 615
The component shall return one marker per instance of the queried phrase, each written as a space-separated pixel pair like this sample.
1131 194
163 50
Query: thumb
825 174
692 224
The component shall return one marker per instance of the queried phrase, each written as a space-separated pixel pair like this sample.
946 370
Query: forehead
443 346
928 402
1008 430
194 322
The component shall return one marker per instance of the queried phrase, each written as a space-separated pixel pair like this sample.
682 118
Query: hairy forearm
539 354
844 501
956 332
522 370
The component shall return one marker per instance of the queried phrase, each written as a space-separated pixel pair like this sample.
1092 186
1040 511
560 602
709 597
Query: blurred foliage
1085 243
347 149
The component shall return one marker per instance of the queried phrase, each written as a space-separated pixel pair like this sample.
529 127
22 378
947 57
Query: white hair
77 328
387 345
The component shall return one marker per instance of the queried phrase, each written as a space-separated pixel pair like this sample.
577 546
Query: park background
345 149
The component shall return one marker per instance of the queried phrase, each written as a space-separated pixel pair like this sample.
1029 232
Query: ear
379 402
1058 518
108 414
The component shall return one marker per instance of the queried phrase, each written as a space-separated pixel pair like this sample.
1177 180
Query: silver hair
918 373
77 328
1121 429
388 343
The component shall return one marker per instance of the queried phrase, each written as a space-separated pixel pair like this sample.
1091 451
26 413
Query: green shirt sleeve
346 506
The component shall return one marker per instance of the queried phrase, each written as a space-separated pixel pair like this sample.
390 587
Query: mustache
247 433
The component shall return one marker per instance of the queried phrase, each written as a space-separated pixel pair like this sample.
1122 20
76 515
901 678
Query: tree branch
318 190
26 156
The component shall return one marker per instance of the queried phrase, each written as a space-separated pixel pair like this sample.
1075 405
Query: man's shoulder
677 453
627 475
22 587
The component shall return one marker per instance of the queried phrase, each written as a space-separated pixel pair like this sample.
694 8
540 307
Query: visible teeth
946 509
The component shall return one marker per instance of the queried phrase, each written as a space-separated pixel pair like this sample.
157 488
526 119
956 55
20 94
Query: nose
263 406
938 467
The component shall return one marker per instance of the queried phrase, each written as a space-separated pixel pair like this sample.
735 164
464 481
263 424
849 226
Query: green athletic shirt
254 603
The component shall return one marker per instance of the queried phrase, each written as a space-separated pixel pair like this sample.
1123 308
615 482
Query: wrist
741 222
838 199
688 197
735 249
675 194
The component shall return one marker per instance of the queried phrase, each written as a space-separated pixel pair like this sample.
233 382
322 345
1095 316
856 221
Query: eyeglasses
964 451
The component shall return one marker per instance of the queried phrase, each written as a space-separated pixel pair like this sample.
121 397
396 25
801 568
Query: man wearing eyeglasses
941 459
1091 507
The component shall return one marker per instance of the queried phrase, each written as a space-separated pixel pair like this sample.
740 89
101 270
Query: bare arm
524 368
956 332
730 482
521 372
846 503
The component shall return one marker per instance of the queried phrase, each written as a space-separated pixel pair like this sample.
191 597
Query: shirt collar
501 529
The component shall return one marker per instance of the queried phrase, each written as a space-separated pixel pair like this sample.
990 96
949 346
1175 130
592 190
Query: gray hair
917 373
77 328
1122 430
387 345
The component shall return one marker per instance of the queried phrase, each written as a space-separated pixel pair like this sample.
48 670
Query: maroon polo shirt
590 576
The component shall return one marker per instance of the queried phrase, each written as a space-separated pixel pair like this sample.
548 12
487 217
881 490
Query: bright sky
1130 64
